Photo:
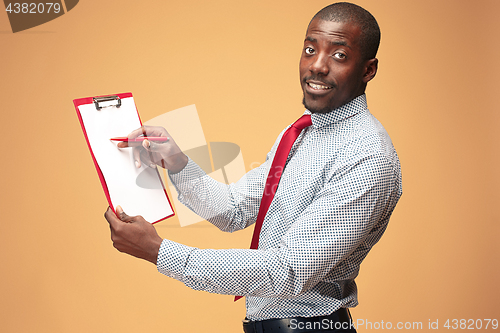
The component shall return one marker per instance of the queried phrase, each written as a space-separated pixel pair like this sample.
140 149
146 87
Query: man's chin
316 109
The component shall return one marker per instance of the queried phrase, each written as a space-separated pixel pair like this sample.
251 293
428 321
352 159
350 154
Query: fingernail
119 209
137 165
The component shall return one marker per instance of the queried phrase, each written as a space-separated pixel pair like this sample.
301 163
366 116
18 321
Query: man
335 196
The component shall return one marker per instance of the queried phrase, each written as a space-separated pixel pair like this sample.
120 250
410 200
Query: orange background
435 92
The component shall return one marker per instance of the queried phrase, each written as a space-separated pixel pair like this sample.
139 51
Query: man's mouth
318 86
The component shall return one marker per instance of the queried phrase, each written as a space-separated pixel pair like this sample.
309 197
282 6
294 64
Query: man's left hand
133 235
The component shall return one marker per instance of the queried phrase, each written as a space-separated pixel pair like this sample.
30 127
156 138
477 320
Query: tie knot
303 122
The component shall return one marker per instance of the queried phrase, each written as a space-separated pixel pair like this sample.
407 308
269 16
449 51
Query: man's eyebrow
339 43
333 43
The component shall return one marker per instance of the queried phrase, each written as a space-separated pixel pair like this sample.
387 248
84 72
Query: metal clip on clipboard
104 99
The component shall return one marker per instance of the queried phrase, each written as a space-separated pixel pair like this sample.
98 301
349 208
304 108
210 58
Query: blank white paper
117 165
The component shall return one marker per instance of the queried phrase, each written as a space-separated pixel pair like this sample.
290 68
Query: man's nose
320 65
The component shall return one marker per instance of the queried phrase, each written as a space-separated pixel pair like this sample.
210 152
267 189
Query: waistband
339 320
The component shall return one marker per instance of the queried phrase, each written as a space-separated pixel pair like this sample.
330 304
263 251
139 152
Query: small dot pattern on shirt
337 192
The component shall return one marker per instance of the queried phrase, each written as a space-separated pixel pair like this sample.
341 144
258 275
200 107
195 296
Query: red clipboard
104 117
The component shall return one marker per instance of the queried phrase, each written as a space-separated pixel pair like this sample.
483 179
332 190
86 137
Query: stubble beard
326 109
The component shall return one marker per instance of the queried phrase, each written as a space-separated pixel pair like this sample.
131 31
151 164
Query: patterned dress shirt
338 190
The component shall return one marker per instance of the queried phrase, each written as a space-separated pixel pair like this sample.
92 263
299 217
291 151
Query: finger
136 151
147 131
147 154
121 214
146 158
124 217
112 219
154 131
155 146
124 144
138 132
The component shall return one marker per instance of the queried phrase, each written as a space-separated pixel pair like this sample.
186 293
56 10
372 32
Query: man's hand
133 235
166 154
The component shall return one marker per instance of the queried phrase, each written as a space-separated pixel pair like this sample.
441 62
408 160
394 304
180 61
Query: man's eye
309 50
339 56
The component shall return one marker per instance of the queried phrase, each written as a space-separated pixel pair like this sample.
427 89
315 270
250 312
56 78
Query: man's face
331 66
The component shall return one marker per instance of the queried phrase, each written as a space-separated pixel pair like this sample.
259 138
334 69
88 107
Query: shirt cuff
186 180
191 171
172 259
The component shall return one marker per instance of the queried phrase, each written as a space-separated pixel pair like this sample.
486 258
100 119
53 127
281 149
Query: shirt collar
345 111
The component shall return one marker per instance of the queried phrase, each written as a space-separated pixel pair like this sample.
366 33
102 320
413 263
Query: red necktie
274 175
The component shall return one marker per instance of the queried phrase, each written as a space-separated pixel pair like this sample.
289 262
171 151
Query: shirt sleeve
229 207
352 205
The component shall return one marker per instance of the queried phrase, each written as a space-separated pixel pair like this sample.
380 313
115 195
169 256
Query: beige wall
436 93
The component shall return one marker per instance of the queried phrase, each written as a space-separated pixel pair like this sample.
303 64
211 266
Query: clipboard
105 117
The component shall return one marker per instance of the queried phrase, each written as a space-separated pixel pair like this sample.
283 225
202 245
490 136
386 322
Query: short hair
348 12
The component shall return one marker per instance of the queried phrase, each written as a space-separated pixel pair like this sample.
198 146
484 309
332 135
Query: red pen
142 138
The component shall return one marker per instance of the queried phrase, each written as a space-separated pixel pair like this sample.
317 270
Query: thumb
121 214
154 146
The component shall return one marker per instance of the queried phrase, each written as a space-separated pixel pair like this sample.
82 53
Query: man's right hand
165 154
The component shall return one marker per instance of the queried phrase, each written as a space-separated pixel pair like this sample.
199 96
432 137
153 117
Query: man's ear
371 67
